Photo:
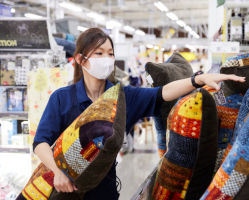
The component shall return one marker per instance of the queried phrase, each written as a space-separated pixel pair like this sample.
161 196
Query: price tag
149 79
11 66
219 98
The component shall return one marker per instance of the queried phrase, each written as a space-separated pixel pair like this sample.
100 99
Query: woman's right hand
62 183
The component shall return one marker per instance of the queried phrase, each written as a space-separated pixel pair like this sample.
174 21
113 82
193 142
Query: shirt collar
81 91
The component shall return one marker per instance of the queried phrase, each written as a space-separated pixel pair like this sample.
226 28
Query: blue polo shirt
140 103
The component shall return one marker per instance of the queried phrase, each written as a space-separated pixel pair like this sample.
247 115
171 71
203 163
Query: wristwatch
193 80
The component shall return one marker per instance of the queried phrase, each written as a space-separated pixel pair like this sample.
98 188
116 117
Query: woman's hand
62 183
212 80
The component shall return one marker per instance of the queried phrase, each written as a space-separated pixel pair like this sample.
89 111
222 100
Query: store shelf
14 149
14 115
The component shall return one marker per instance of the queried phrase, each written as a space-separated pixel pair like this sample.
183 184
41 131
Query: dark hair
88 41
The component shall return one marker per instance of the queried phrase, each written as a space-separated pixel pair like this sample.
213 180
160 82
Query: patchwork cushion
239 66
227 115
231 180
175 68
86 150
187 167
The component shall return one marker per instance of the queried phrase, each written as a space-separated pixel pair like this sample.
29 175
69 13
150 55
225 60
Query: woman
94 58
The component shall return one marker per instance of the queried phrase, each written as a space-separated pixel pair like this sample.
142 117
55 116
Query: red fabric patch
90 151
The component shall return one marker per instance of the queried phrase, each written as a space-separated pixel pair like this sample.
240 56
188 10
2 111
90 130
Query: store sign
146 37
24 34
5 11
225 47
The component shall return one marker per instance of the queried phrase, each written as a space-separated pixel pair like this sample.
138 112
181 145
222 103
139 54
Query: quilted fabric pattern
236 162
175 68
78 146
227 115
73 157
176 173
237 65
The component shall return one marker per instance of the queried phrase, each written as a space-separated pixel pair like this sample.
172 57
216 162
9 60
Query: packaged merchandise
20 140
37 61
14 99
236 28
21 70
25 127
8 129
7 72
3 99
25 100
246 28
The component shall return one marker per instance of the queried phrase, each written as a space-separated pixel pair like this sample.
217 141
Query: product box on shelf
3 99
8 129
14 99
7 70
21 70
25 100
25 127
20 140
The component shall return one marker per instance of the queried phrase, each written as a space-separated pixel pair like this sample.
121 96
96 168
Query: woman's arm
176 89
61 181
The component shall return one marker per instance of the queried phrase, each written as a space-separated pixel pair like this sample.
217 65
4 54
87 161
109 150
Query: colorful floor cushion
231 180
187 167
238 65
86 150
175 68
227 115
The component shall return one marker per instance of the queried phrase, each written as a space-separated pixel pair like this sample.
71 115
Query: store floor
135 167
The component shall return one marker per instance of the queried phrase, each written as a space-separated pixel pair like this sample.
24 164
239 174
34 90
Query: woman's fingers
234 78
74 187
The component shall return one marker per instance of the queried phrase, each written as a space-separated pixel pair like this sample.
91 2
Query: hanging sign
24 34
225 47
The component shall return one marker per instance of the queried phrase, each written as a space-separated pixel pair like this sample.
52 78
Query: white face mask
101 68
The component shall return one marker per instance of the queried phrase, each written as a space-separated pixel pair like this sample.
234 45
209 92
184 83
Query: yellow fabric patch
113 93
183 194
69 138
192 108
42 186
186 184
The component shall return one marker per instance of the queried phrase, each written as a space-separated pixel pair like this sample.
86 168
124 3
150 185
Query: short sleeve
140 103
49 128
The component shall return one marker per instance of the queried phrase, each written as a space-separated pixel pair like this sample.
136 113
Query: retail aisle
135 167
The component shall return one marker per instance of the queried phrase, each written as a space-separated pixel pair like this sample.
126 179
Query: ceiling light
149 46
162 49
33 16
8 2
139 32
129 28
156 47
192 33
110 24
172 16
70 6
161 6
187 28
95 16
111 35
174 47
196 36
81 28
13 10
181 23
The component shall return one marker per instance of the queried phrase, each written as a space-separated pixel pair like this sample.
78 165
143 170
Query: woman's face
105 50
